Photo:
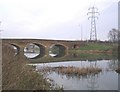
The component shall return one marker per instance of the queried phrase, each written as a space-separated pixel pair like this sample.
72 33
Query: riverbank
16 75
97 48
94 51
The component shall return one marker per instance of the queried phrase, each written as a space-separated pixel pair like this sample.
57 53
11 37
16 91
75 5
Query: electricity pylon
93 16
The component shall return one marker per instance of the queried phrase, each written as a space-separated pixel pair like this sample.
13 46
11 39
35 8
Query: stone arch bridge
44 45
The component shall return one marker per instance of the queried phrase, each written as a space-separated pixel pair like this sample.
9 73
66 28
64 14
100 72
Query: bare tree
114 35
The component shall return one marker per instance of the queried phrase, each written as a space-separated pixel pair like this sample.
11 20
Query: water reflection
113 64
57 50
75 55
92 82
105 80
72 57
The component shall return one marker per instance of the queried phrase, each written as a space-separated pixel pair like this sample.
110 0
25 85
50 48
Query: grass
95 46
89 56
105 48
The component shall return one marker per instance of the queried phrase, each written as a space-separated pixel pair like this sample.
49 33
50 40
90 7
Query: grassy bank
17 76
98 48
90 57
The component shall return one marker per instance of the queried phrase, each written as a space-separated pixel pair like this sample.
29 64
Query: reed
73 70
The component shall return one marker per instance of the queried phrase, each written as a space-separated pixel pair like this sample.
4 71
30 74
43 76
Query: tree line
114 35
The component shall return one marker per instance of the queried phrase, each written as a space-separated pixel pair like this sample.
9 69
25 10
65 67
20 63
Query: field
98 47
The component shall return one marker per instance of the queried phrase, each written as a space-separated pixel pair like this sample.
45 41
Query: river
105 80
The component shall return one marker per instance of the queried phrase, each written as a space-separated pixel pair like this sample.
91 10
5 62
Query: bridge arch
34 50
16 48
58 50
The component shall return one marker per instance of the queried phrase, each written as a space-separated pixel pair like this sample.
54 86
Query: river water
105 80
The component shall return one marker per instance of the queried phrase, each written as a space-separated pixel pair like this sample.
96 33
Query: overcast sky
56 19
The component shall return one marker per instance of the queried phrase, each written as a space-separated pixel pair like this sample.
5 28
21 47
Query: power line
93 15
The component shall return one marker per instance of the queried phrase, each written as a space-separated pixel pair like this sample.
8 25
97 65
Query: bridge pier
47 51
21 52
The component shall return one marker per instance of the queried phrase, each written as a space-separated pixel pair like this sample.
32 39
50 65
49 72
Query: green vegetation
87 56
108 48
96 46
